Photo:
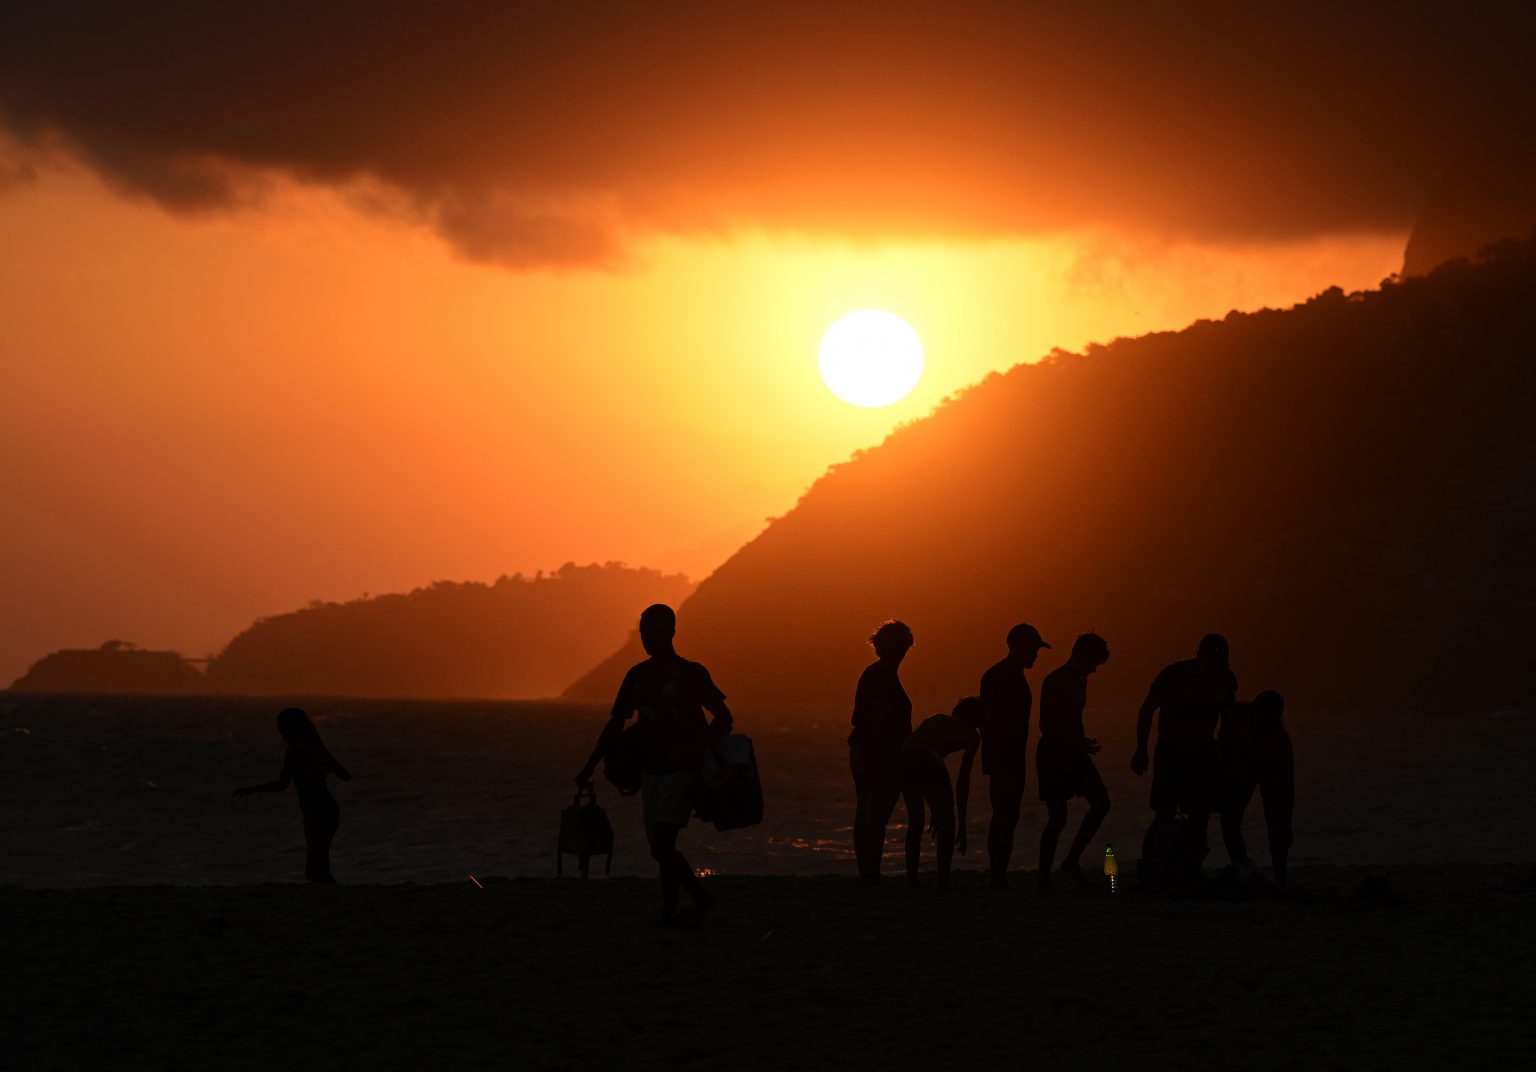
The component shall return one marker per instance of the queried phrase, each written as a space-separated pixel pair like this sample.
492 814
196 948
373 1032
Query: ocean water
126 790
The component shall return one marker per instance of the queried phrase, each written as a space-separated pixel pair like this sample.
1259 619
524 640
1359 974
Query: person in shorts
1064 757
670 695
1189 698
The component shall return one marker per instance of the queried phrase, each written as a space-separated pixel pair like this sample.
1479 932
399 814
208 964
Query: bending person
670 695
1064 757
882 721
925 780
305 764
1258 754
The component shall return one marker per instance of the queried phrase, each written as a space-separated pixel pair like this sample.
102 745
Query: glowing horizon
305 402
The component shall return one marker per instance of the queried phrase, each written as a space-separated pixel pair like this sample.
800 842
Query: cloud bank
559 135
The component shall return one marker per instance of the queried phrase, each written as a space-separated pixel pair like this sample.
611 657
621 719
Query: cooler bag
730 796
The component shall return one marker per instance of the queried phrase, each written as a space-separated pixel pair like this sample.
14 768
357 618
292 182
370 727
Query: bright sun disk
871 358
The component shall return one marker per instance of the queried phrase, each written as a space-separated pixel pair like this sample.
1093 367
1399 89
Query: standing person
1192 696
1064 756
925 780
305 764
882 722
1006 701
670 695
1256 753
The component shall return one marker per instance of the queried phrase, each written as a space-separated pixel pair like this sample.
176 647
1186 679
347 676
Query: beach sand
789 972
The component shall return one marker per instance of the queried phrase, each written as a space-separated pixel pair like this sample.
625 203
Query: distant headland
518 637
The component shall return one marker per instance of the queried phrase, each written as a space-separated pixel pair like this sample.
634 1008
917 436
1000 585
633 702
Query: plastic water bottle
1111 869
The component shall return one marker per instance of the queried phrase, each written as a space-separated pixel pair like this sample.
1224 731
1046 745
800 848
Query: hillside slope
1344 488
522 637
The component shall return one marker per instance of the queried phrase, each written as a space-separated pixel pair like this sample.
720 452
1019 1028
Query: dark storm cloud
546 135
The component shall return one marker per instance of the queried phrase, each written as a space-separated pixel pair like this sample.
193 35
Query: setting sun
871 358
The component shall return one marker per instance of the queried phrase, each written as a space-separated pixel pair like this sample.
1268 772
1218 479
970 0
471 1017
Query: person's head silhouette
658 625
892 640
1090 651
1268 707
295 726
1212 652
1024 644
969 709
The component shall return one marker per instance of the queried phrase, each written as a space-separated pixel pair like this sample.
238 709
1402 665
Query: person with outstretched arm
925 780
1190 698
306 764
1064 757
670 695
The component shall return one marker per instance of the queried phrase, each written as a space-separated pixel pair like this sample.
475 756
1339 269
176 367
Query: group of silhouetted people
1196 770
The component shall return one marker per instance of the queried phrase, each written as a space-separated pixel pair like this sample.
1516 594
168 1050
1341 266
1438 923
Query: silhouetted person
925 780
1256 753
670 695
1064 757
1006 701
882 722
1192 696
305 764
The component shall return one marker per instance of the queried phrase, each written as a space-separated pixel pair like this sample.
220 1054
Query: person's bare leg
1232 834
1006 795
914 801
1279 806
664 852
1055 823
943 803
319 828
862 840
703 900
1098 808
1232 824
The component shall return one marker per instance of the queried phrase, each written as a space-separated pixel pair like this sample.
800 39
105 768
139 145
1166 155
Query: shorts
1186 776
1065 773
666 798
924 776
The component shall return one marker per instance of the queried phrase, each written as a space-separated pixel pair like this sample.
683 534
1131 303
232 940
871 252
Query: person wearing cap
1064 757
1006 701
882 722
1189 698
670 694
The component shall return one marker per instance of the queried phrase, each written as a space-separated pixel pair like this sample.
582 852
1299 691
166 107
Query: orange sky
214 417
303 301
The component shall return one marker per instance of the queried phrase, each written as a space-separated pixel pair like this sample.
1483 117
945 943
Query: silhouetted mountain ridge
519 637
1344 488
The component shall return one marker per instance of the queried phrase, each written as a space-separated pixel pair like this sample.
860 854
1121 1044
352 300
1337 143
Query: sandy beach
789 972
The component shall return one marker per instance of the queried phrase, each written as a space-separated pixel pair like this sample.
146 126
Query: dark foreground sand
789 973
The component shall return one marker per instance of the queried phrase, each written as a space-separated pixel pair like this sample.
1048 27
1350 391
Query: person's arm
1149 706
719 715
284 777
336 767
622 709
1079 733
963 790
